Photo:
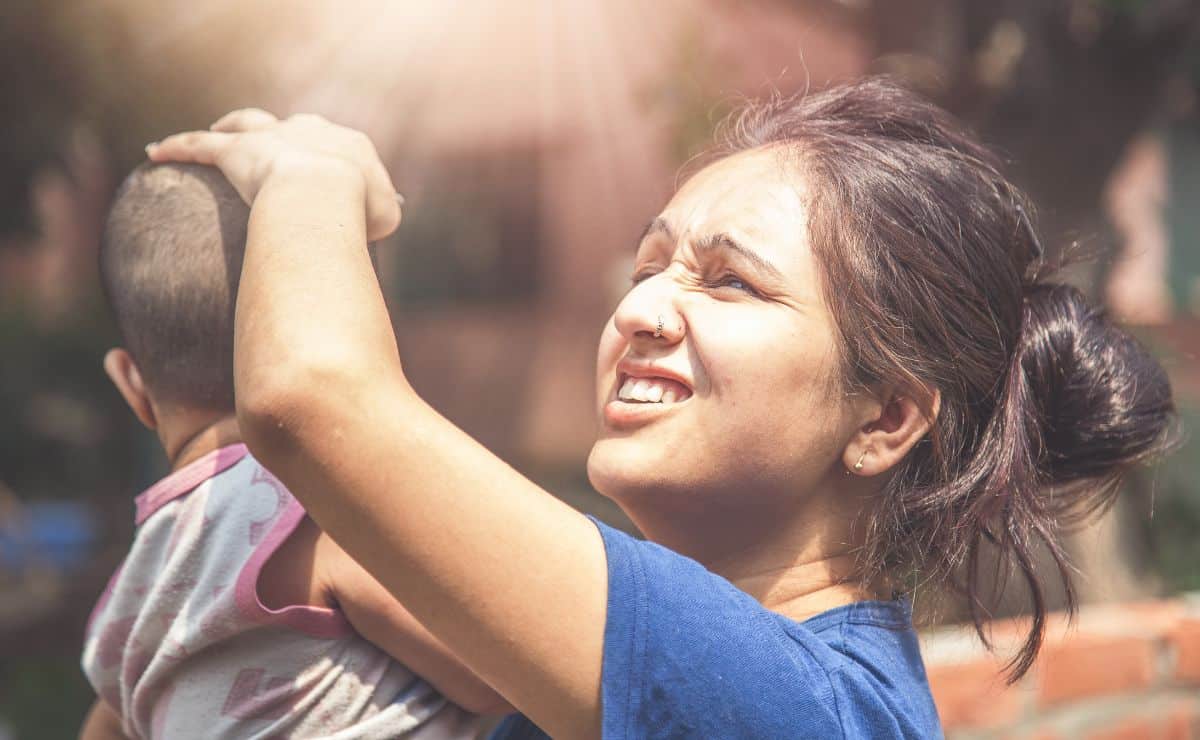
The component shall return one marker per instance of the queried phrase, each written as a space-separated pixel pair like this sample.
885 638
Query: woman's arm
378 617
510 578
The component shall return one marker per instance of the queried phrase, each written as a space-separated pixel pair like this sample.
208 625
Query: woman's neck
798 562
800 588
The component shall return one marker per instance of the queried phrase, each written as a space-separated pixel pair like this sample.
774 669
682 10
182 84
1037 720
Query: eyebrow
719 240
657 226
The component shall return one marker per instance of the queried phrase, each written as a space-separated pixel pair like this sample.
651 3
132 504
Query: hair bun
1105 403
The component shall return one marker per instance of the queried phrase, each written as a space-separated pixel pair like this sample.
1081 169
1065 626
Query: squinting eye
735 282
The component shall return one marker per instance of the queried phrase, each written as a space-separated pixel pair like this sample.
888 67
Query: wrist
322 171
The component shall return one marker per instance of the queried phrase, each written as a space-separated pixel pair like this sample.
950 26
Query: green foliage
43 698
81 65
1175 521
59 407
46 92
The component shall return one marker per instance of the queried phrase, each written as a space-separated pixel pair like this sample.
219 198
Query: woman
839 373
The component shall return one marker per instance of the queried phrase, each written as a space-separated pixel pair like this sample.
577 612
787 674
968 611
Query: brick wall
1120 672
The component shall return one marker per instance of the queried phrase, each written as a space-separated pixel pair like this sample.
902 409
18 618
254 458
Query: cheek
773 381
612 346
764 355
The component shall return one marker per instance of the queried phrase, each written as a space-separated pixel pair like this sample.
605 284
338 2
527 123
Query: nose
648 313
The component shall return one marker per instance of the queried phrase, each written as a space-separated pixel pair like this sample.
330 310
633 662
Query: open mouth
661 391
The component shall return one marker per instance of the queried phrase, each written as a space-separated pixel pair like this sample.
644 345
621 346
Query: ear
124 374
883 442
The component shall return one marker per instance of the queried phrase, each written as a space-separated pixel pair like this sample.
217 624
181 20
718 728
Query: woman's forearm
507 576
308 300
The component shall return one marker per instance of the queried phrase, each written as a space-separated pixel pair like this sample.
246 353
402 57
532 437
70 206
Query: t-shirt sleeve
687 654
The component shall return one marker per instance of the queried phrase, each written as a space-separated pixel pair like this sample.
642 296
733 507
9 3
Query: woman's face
738 395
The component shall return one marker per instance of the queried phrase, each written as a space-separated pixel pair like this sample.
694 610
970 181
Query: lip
621 415
631 369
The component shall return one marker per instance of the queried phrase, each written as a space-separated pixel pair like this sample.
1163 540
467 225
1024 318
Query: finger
244 119
383 217
309 119
383 202
201 147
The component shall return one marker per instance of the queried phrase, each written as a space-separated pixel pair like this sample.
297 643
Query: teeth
647 390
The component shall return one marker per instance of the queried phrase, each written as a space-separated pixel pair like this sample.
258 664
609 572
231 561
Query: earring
858 465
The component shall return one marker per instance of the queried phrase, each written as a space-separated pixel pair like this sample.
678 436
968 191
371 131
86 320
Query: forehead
755 196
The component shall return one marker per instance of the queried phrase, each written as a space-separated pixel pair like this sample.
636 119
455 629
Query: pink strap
185 479
317 621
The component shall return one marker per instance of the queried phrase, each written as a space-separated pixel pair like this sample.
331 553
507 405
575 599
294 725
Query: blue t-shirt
688 655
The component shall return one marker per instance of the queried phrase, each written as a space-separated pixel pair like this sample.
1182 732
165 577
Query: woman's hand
251 146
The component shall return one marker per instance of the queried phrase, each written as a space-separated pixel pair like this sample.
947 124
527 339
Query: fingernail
399 199
151 147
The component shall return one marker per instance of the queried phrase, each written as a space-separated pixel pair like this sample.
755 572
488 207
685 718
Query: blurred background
533 140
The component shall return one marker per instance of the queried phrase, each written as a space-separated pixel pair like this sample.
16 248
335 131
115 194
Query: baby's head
170 259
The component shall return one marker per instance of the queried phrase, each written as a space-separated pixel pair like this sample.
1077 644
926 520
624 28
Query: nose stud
659 328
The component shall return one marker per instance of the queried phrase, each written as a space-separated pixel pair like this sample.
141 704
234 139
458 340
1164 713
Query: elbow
264 423
278 406
288 408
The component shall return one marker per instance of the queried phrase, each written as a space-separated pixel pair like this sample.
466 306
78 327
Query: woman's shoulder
684 648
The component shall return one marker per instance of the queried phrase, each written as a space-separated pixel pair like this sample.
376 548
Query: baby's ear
124 374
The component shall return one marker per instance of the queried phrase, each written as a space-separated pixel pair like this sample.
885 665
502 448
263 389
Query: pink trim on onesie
185 479
316 621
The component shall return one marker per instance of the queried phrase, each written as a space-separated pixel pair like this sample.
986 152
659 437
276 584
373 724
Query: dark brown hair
170 260
932 272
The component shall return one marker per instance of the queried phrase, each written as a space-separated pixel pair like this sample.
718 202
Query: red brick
1182 721
1132 618
974 695
1092 665
1178 722
1185 639
1034 734
1134 728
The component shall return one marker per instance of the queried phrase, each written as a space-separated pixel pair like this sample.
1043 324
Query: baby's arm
333 576
101 723
378 617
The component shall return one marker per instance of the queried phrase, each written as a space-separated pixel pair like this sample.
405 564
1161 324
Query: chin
618 468
603 471
631 475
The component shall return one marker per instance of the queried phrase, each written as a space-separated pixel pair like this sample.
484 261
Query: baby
233 615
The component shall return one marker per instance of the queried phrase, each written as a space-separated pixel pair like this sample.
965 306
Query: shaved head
170 259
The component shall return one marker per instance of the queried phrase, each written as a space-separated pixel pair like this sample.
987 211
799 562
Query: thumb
383 214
